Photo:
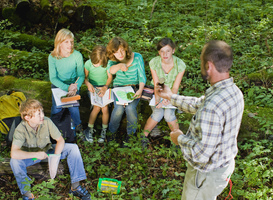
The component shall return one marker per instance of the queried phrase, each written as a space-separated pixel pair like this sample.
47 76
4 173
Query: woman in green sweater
66 71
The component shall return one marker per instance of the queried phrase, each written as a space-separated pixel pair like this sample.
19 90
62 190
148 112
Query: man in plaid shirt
210 144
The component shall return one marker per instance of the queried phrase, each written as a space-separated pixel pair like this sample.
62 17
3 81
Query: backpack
62 120
16 121
9 109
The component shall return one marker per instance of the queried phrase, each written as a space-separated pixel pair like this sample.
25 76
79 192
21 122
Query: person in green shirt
97 80
66 71
170 68
129 69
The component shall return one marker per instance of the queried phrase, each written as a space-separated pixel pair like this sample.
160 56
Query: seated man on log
31 144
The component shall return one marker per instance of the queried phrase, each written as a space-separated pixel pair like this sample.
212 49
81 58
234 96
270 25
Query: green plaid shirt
179 66
211 140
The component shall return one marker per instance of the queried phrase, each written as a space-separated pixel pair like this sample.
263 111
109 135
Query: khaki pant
206 186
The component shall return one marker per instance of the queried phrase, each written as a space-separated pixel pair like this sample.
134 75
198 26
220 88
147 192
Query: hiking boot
28 198
80 192
79 128
102 136
89 134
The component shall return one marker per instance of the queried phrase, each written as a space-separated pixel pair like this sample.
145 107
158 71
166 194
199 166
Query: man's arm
186 104
17 153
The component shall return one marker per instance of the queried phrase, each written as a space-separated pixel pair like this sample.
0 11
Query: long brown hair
113 46
61 36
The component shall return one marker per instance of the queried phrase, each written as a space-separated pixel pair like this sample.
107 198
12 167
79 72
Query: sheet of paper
102 101
121 94
53 163
152 103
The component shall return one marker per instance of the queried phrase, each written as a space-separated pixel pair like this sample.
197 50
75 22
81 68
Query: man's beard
205 77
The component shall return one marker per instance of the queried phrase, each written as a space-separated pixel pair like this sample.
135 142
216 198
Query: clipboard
57 94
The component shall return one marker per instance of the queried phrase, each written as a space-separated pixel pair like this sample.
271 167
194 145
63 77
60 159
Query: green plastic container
108 185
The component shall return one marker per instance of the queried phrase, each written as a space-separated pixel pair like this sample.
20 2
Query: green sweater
64 71
133 76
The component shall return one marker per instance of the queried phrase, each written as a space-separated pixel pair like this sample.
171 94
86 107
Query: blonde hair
29 107
98 54
61 36
113 46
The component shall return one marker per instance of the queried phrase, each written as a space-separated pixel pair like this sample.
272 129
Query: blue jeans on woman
131 114
74 162
74 111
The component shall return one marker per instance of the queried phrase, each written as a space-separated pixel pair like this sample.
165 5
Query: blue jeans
159 113
74 111
131 114
74 162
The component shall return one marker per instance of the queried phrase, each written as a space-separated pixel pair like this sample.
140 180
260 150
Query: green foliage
158 173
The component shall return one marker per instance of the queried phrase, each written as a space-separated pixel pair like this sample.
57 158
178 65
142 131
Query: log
39 170
85 15
26 42
69 7
22 6
45 5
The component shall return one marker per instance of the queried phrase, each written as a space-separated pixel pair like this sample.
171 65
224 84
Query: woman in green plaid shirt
172 69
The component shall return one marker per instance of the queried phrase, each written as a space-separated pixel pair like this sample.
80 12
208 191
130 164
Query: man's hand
174 135
163 91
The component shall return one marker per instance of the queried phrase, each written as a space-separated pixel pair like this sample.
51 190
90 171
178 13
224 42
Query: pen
77 80
159 102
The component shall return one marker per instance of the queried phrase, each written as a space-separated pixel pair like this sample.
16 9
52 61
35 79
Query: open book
102 101
57 94
122 94
152 103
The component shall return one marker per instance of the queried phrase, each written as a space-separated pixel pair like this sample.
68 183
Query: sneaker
80 192
79 128
89 134
102 136
28 198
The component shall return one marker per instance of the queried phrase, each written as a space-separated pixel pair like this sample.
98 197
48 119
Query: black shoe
110 137
80 192
144 142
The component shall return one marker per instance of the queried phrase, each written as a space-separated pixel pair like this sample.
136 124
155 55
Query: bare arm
86 81
155 80
114 68
59 145
17 153
177 82
104 88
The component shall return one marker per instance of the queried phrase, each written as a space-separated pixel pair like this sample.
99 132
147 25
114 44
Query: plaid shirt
211 140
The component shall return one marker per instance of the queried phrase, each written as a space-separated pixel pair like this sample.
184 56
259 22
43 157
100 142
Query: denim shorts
159 113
